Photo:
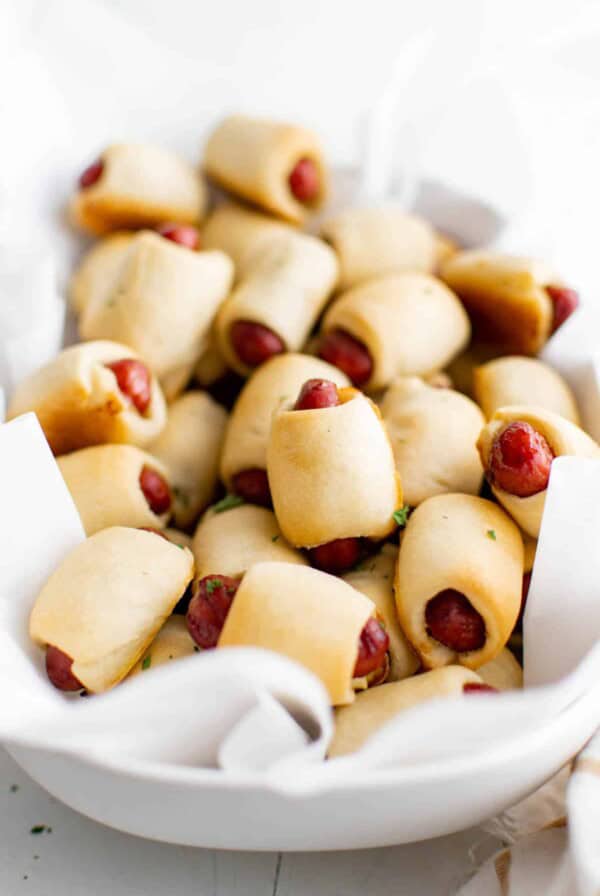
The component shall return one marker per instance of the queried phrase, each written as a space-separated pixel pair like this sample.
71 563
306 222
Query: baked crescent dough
96 272
307 615
503 673
229 543
285 288
78 402
564 438
433 433
173 642
190 446
279 379
447 545
331 472
375 579
240 232
505 297
461 369
161 303
107 600
410 323
177 537
140 186
377 241
254 158
518 380
529 548
355 724
104 482
211 365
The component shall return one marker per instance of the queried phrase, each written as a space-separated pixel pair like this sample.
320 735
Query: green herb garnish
401 515
39 829
14 788
212 585
275 538
491 533
147 662
228 503
181 496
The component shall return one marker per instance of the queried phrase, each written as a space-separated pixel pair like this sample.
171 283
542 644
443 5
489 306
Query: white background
507 107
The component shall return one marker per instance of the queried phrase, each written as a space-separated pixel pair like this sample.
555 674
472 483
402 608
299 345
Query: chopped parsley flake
40 829
228 503
491 533
14 788
181 496
401 515
275 538
147 662
212 585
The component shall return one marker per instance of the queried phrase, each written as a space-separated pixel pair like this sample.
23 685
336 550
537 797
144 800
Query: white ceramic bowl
211 808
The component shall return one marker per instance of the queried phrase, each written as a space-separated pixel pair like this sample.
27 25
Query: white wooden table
79 857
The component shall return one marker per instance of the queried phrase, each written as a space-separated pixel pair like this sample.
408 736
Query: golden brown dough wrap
285 288
375 579
97 270
78 402
253 158
307 615
173 642
331 472
515 380
140 186
240 232
529 547
230 542
563 437
378 241
505 296
469 545
355 724
162 303
411 324
189 446
433 432
108 599
278 380
104 482
503 672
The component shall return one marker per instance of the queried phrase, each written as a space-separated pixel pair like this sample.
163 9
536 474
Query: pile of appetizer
334 446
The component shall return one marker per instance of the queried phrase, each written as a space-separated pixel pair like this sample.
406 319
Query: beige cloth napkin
552 837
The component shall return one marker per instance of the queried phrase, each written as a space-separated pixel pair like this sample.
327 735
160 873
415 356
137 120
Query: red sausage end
58 670
208 609
304 181
453 621
182 234
317 393
91 174
133 379
520 460
253 343
373 644
336 556
565 302
156 490
253 486
348 354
